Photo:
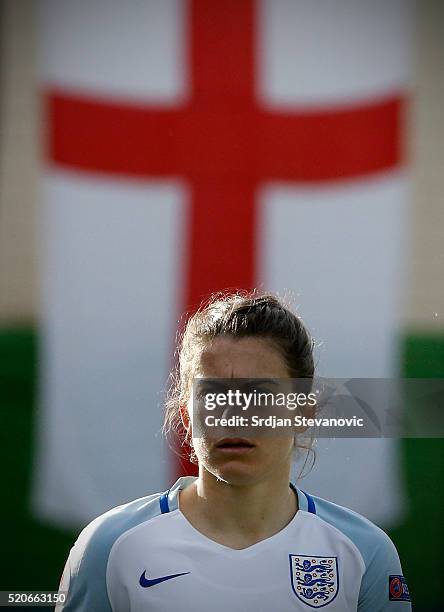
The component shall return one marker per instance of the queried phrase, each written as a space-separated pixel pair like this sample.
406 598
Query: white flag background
112 247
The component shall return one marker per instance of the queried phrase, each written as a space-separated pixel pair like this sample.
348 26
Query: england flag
192 146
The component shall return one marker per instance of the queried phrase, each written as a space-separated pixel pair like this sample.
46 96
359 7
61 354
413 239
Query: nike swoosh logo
146 582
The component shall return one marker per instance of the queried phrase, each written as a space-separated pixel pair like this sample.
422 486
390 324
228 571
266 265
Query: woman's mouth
234 445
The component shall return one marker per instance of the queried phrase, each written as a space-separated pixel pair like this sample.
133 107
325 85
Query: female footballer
240 536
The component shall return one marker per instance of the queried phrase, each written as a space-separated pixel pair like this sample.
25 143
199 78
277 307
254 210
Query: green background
33 554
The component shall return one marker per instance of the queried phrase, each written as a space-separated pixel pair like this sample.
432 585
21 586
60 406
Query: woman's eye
265 390
262 391
202 392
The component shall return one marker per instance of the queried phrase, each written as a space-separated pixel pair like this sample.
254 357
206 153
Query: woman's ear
186 422
185 417
307 412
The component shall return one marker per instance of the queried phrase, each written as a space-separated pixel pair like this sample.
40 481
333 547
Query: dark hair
237 315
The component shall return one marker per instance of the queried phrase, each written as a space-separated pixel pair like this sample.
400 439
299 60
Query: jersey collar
169 500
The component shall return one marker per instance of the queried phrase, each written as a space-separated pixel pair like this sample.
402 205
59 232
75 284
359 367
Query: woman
240 535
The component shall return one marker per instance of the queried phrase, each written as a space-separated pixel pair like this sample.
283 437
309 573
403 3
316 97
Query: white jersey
146 556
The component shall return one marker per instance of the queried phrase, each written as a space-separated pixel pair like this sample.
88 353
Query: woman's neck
238 515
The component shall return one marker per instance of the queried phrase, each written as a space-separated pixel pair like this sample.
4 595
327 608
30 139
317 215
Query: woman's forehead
246 357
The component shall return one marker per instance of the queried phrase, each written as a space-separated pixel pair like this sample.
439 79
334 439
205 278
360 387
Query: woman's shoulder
382 580
84 576
371 540
98 537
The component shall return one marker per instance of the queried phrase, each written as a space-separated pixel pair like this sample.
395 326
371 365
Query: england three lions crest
314 579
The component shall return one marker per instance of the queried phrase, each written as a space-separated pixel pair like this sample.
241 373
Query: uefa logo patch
314 579
398 589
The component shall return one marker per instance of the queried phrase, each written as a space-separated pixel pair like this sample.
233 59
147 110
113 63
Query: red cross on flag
192 146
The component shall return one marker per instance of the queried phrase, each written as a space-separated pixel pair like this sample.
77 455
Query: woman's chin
235 474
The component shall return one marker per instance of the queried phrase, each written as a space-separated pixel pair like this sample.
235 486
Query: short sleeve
383 587
84 576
